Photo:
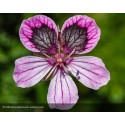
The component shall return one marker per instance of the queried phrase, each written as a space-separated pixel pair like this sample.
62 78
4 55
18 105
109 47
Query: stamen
46 55
71 53
51 71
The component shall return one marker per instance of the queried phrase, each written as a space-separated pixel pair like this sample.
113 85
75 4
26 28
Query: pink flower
58 54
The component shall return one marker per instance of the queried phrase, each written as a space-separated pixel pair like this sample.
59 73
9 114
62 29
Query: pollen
59 60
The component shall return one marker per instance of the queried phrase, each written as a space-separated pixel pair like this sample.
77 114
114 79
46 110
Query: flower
58 54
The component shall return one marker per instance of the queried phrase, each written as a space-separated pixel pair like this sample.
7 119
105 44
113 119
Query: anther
59 60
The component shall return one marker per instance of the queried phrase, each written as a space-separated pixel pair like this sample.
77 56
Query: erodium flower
59 55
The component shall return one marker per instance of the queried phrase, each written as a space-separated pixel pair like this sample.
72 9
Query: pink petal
30 70
90 71
62 93
80 32
39 34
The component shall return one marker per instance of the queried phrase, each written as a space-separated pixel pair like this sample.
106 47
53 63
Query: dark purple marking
32 76
77 73
29 69
61 89
55 89
78 77
45 39
74 37
31 62
89 63
68 89
87 70
85 76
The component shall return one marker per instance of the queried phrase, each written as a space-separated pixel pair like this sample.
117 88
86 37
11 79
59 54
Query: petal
39 34
90 71
62 93
30 70
80 32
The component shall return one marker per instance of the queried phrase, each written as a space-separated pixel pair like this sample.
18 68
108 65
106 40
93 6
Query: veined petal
30 70
80 32
39 34
62 93
90 71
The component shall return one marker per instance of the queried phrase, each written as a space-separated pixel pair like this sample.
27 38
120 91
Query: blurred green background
111 49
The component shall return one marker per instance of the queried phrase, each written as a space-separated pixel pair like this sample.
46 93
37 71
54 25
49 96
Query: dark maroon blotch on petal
39 34
45 39
74 37
79 32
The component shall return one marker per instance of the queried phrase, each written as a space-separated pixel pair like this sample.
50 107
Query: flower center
59 60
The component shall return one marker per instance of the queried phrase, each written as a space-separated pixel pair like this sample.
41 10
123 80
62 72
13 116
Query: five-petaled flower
58 54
